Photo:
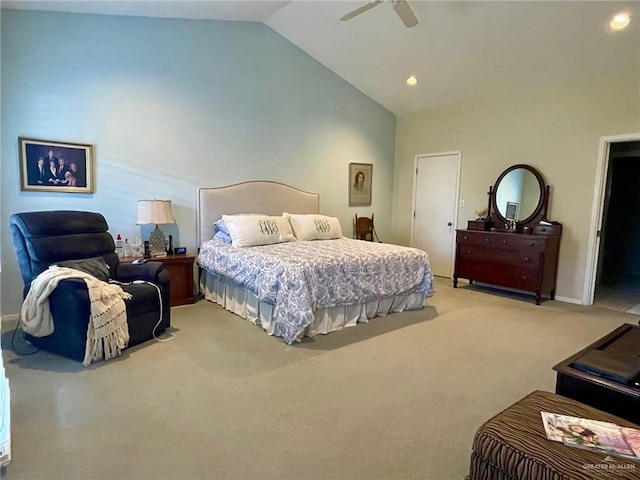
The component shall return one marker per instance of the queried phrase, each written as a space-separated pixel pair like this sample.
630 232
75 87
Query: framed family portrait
360 184
51 166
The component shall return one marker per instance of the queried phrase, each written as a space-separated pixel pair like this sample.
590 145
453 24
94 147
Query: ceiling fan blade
405 13
360 10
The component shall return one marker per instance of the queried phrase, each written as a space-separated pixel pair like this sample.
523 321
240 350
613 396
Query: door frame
456 202
597 212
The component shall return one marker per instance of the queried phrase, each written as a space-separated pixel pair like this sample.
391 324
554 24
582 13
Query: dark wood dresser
514 245
516 260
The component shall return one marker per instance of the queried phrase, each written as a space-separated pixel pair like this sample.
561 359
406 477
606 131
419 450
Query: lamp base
157 241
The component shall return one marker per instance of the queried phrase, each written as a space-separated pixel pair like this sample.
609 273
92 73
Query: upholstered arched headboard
269 198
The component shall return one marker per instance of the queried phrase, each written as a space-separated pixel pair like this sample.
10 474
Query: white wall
173 105
555 128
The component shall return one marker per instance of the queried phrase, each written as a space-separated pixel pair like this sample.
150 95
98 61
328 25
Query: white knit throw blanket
108 332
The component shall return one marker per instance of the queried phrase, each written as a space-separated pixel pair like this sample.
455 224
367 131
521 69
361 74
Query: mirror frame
540 210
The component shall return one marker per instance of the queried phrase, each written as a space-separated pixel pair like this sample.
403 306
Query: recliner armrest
128 272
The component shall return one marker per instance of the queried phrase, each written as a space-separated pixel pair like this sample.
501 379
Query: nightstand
180 270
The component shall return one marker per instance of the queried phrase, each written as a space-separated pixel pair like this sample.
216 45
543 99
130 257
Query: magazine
593 435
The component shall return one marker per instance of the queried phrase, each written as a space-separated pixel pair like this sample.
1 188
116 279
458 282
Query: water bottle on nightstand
127 248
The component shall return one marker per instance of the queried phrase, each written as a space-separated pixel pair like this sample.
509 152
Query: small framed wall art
51 166
360 184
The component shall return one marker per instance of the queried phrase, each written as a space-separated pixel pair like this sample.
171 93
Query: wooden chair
364 228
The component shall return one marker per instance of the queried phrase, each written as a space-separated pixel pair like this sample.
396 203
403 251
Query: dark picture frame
360 182
72 171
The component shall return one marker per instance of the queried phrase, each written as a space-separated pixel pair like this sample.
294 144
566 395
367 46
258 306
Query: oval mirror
518 194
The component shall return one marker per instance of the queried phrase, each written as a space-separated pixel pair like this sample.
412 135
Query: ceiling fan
401 7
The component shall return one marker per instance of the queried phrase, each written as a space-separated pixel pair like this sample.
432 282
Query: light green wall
556 128
172 105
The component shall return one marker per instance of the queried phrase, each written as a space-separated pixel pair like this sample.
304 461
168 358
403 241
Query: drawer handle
524 277
468 251
526 259
531 244
505 242
465 237
487 240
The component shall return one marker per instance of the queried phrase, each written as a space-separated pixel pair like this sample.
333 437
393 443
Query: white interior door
435 209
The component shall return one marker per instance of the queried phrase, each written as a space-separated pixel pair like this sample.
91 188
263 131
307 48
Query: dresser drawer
477 238
502 256
498 274
553 229
503 241
524 243
521 278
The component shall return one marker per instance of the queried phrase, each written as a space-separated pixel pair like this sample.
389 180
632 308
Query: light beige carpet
398 398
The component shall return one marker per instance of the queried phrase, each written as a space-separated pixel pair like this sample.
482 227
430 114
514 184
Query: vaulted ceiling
460 50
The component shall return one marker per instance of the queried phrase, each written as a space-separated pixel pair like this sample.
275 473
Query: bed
302 288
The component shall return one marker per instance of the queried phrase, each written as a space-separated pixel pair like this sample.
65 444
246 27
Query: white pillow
314 227
253 230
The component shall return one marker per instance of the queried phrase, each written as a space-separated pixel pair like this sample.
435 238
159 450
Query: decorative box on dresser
521 255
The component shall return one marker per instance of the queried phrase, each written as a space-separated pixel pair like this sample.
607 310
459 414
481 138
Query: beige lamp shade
154 212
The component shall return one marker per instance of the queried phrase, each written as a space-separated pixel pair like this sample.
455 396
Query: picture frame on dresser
512 211
55 166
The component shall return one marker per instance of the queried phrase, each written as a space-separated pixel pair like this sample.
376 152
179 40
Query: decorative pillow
220 231
254 230
222 236
314 227
95 266
220 226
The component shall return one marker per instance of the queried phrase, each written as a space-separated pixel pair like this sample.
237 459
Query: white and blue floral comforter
298 277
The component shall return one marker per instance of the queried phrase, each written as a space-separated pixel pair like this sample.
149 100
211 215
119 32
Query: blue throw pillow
220 226
221 231
222 236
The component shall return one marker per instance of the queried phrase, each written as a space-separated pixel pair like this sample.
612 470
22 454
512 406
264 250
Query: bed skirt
244 303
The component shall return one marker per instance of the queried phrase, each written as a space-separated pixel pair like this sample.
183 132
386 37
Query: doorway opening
617 273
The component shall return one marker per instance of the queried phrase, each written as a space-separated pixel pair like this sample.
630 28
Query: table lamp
156 212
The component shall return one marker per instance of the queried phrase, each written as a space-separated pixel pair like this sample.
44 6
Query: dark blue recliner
41 239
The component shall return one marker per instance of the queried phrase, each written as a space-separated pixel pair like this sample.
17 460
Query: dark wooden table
604 394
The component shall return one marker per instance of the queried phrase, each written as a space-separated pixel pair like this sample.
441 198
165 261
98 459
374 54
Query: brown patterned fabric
513 445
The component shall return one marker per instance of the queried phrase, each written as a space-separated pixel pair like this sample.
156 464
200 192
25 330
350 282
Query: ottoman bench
513 445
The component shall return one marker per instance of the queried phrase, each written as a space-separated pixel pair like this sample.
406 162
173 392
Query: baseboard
13 317
569 300
526 292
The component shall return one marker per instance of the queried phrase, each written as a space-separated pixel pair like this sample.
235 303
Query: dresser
515 260
514 246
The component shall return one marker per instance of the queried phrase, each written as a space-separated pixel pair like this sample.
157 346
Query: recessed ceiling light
412 80
620 21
